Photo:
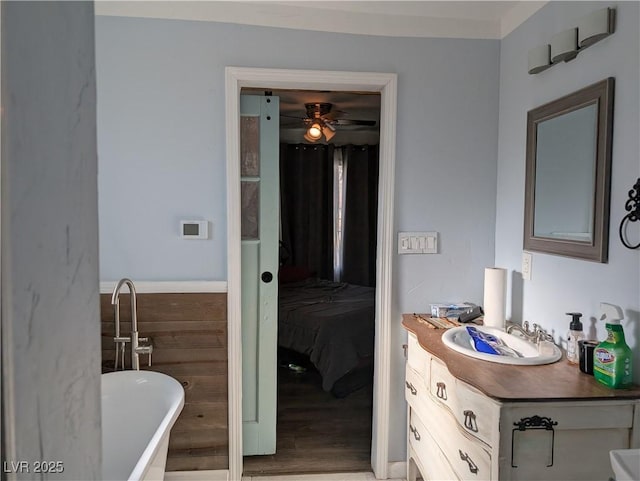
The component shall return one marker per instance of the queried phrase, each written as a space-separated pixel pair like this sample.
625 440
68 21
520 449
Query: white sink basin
625 464
459 340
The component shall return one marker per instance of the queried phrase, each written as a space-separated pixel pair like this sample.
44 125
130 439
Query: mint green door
259 157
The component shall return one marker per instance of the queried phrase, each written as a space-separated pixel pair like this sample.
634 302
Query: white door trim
386 84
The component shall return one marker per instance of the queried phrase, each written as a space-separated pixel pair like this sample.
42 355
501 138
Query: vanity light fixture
596 26
539 58
566 45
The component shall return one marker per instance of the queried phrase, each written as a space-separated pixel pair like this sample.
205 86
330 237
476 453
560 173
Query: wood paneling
189 334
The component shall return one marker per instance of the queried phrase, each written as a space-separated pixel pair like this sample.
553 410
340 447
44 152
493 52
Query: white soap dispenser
574 335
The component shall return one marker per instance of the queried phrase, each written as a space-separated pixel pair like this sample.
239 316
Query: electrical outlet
526 266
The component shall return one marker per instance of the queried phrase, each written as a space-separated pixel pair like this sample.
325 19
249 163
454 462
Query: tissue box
450 309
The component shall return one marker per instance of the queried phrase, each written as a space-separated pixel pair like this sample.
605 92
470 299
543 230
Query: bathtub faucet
120 341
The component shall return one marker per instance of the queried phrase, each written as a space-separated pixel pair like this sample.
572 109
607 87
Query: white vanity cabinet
459 429
451 424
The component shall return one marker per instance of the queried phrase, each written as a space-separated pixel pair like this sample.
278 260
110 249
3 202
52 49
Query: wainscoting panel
189 335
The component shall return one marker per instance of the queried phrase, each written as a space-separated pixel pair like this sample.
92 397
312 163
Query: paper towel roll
495 296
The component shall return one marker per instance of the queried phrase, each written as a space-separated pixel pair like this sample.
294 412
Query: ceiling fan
322 121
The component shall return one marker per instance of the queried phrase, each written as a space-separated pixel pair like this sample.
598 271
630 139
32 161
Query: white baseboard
164 287
397 470
220 475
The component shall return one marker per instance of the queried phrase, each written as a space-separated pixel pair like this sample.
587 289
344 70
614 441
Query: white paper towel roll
495 296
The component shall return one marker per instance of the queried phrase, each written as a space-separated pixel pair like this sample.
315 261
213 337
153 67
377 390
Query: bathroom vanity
477 420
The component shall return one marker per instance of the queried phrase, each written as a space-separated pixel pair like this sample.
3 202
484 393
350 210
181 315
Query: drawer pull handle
415 432
411 388
472 466
470 421
441 391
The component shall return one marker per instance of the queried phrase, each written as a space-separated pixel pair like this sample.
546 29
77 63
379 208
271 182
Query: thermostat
194 229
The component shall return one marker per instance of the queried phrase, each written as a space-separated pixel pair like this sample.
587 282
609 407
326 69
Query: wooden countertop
559 381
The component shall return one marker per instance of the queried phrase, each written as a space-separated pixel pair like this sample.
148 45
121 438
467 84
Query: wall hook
632 206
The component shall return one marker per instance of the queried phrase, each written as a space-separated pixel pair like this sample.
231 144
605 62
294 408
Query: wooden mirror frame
597 249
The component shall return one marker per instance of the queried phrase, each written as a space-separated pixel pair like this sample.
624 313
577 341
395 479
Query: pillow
288 274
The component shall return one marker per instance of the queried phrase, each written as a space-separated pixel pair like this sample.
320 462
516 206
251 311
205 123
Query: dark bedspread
332 323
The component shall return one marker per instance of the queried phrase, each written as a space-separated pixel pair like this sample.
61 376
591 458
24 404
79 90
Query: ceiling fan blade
353 122
333 114
293 120
297 117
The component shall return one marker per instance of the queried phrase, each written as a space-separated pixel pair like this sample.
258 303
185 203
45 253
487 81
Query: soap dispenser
574 335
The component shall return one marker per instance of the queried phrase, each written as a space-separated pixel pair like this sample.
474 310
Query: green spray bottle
612 357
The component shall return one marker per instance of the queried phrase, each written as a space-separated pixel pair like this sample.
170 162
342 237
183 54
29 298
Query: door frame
386 84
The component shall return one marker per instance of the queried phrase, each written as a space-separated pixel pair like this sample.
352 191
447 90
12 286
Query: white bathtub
138 410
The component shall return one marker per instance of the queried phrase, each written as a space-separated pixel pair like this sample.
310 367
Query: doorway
326 283
385 84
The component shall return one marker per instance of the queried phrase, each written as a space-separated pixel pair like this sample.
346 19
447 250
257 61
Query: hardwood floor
316 432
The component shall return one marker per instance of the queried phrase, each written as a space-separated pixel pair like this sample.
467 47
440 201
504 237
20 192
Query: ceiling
459 19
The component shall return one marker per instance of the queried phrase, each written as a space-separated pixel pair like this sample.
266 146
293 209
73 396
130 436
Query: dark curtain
361 213
306 196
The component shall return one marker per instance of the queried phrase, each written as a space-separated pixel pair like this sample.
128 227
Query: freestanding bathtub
138 410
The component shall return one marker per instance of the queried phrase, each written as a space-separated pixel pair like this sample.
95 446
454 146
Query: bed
333 324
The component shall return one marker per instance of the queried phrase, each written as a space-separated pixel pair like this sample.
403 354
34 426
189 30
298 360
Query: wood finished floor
316 432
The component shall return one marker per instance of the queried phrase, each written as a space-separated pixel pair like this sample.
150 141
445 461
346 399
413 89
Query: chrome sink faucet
134 339
536 335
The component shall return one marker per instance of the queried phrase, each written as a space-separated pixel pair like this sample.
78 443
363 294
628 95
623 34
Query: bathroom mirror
568 174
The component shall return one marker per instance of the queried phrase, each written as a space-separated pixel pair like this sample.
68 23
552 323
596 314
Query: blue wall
460 156
561 284
161 144
162 135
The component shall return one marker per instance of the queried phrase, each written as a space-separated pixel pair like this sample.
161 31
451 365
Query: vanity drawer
431 461
469 457
476 413
418 358
442 384
415 391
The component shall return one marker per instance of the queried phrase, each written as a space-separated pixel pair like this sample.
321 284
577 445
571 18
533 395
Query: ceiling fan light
308 138
314 133
328 132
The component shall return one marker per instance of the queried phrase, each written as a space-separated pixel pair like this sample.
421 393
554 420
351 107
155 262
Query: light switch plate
526 266
417 242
